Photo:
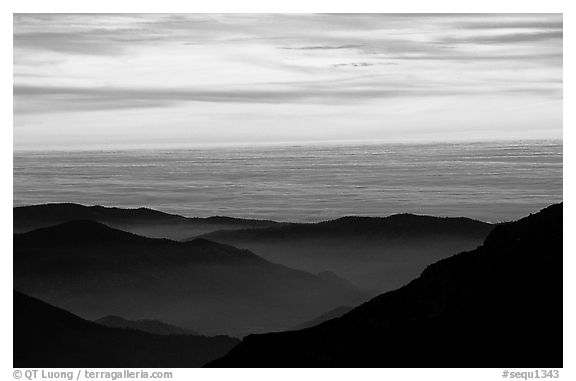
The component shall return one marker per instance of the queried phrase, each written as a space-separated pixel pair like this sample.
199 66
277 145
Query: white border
296 6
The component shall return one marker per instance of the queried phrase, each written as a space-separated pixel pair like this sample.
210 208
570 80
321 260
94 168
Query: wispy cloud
54 99
74 99
74 63
508 38
519 24
324 47
356 64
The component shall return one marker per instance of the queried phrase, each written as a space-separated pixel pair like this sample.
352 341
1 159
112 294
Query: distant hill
79 232
94 270
49 337
375 253
498 306
142 221
145 325
391 226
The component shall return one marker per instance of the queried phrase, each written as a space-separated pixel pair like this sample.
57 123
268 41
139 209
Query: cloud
542 58
509 38
325 47
358 64
77 43
97 34
65 99
70 66
519 24
368 34
74 98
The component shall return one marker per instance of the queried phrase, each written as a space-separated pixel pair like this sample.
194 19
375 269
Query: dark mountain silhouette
145 325
393 226
48 337
142 221
93 270
332 314
499 305
371 252
79 232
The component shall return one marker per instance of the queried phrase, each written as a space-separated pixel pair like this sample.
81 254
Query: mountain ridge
156 327
143 221
329 315
358 224
46 336
201 285
467 310
375 253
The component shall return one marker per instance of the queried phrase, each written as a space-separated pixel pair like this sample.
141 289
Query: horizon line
273 220
293 144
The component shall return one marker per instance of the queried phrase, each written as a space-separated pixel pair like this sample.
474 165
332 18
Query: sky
106 81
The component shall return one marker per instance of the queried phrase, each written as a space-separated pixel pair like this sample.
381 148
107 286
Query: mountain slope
499 305
145 325
94 270
142 221
46 336
332 314
373 253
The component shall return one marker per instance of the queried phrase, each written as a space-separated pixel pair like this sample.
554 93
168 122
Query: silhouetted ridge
94 270
142 221
214 252
49 337
70 211
375 253
394 226
156 327
405 224
510 235
408 220
90 235
332 314
474 309
80 232
225 220
63 212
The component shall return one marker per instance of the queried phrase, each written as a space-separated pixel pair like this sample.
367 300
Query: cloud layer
191 75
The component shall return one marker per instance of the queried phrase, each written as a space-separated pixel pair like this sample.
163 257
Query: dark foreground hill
93 270
142 221
499 305
156 327
373 253
48 337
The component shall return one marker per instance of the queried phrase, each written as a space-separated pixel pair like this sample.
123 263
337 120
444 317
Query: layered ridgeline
373 253
93 270
156 327
499 305
48 337
142 221
376 254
